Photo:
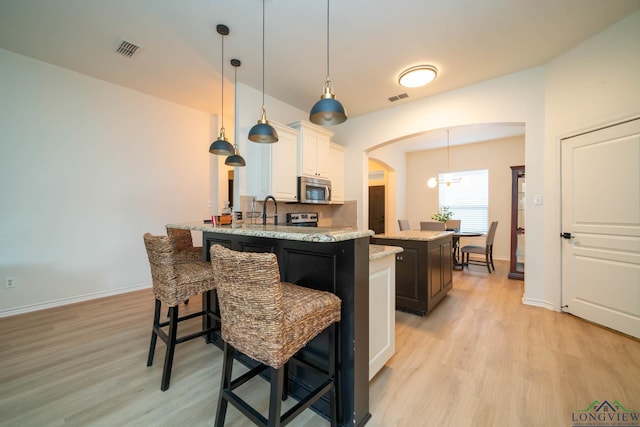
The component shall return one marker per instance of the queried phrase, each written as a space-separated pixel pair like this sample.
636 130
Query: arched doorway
381 184
403 197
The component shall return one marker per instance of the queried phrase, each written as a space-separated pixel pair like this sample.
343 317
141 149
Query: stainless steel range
302 219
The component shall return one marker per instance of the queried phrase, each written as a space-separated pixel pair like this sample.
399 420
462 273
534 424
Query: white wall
497 156
86 168
596 83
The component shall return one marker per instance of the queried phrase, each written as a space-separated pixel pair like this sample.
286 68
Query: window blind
468 199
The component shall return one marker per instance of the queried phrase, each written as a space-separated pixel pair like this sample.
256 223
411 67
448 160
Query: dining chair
404 224
174 282
486 250
432 226
269 321
452 224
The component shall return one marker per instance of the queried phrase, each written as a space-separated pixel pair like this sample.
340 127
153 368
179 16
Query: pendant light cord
327 39
235 105
448 154
222 66
263 1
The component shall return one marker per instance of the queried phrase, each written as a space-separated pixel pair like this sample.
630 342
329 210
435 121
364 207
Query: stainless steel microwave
314 190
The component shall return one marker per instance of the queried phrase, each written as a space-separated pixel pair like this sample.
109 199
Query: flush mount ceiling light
221 146
263 132
328 111
235 159
418 76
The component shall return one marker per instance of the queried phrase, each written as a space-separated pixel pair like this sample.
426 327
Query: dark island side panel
338 267
423 272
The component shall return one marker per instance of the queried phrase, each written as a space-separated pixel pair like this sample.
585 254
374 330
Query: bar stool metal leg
171 347
154 334
227 368
275 398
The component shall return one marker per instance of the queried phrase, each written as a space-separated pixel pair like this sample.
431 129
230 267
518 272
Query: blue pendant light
235 159
221 146
328 111
263 132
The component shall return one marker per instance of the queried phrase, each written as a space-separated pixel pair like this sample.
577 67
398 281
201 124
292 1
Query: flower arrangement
443 215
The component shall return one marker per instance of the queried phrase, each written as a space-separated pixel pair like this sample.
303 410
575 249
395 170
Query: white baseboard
539 303
71 300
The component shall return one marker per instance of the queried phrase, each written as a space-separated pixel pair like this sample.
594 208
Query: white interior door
601 213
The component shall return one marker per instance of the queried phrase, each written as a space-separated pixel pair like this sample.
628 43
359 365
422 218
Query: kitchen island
329 259
423 269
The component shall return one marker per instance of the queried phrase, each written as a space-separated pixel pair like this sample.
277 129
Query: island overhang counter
329 259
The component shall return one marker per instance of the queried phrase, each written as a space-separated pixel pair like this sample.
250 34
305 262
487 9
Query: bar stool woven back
182 243
269 321
173 283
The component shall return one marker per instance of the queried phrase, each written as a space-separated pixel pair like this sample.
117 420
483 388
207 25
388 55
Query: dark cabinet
440 267
408 279
518 188
423 272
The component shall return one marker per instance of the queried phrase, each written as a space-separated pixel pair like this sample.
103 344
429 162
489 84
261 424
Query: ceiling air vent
398 97
127 49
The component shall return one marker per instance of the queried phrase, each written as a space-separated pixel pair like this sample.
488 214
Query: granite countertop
414 235
307 234
381 251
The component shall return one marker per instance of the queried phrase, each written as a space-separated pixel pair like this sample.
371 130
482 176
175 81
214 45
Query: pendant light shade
235 159
221 146
328 111
263 132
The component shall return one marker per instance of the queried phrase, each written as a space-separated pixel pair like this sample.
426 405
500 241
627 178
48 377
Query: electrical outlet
10 282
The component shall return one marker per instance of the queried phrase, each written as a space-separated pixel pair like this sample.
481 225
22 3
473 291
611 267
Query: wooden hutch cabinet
518 187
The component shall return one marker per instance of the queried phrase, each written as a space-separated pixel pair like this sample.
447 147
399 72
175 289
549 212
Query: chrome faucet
264 210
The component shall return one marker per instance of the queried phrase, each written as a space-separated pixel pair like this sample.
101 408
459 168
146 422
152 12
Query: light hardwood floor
482 358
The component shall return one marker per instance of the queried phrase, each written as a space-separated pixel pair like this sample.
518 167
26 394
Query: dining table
457 256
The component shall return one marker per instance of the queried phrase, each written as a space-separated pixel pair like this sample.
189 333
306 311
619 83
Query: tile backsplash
340 216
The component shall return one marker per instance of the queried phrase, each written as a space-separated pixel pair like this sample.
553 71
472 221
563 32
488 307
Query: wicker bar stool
173 283
269 321
183 245
184 250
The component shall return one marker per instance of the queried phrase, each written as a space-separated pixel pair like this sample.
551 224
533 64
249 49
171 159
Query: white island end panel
382 305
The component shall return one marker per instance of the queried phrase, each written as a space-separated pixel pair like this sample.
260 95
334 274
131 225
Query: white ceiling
372 41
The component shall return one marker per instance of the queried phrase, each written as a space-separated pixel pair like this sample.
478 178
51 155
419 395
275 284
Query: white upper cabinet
275 172
313 149
336 172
